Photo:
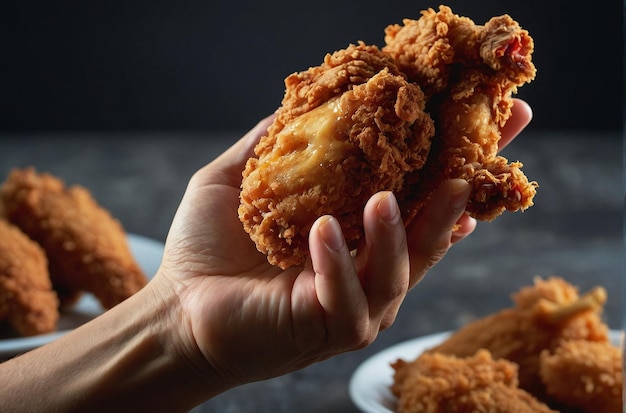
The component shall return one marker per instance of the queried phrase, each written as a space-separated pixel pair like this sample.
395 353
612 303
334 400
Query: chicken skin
425 108
347 129
86 248
545 314
27 301
436 383
584 375
468 73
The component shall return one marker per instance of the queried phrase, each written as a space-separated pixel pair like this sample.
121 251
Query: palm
230 289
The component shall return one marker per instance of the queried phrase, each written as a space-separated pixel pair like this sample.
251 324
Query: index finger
521 115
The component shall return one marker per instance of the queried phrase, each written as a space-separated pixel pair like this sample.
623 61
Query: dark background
207 65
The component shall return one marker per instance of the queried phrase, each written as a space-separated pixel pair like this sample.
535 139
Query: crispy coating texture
27 301
347 129
436 383
551 348
545 314
468 73
584 375
363 120
337 74
87 249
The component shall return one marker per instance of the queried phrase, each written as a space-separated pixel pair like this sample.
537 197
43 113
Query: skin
217 315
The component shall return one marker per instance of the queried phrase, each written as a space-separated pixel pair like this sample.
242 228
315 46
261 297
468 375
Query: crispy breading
347 129
436 383
545 314
87 249
27 301
468 73
584 374
363 121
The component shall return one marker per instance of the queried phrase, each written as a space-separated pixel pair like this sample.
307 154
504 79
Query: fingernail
388 208
459 193
331 234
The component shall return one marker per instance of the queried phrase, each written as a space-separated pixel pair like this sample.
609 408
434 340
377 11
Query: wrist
136 357
176 370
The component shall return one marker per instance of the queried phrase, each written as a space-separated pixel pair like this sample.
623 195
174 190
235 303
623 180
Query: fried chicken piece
87 249
346 129
436 383
358 124
584 374
545 314
27 300
468 73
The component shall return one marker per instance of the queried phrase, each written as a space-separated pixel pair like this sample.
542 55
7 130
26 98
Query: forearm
125 360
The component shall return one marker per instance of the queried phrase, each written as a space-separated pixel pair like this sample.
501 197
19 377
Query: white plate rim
147 252
377 370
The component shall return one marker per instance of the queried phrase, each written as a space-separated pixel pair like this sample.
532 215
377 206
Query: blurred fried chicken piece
27 301
436 383
584 375
545 314
87 249
346 129
468 73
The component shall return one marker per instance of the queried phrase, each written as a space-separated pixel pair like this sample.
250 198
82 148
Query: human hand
250 320
239 319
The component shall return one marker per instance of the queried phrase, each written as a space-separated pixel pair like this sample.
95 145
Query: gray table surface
574 230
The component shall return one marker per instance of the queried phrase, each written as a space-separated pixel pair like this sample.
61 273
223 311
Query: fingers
521 115
386 272
431 233
466 225
337 284
356 309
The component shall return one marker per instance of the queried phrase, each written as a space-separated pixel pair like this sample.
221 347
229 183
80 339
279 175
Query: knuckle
387 321
436 254
359 337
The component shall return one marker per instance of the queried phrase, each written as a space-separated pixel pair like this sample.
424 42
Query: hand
250 320
242 319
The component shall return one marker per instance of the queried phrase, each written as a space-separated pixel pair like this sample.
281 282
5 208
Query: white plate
369 385
148 254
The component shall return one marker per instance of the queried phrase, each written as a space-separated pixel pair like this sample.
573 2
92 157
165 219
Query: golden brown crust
436 382
468 73
584 374
338 73
27 300
444 51
375 131
450 71
552 345
521 333
87 248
